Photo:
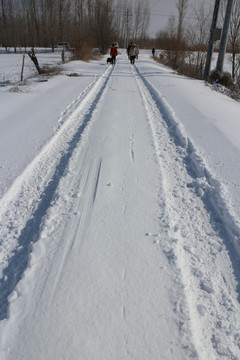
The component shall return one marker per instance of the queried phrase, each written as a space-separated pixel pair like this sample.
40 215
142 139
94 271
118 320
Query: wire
155 3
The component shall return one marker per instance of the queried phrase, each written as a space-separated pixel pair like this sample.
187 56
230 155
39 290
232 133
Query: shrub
222 78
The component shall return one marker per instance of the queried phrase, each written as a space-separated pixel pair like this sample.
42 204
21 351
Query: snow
119 213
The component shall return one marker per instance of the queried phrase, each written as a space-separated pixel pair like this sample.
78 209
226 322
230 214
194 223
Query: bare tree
182 11
179 52
33 10
198 35
4 25
63 10
43 23
120 23
34 59
141 17
234 37
80 15
103 28
171 26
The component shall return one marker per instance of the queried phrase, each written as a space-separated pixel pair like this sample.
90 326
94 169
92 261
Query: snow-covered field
119 213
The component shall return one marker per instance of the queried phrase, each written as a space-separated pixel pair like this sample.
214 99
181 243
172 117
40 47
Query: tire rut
28 199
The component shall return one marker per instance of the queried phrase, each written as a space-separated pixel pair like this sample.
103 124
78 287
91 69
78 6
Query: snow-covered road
112 246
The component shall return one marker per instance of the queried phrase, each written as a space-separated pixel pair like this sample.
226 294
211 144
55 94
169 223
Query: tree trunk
34 59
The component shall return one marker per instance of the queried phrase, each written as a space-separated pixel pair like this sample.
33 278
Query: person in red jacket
113 53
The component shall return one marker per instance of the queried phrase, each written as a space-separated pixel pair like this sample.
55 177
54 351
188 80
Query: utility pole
211 40
128 15
223 43
127 29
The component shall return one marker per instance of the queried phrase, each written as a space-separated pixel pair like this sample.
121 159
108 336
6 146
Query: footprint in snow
206 285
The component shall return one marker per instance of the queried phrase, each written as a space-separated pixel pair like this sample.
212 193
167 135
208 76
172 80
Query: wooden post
22 67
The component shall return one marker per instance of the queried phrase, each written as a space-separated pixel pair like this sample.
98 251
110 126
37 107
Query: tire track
86 182
195 246
25 204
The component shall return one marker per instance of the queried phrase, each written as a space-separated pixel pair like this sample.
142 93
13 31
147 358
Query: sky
160 10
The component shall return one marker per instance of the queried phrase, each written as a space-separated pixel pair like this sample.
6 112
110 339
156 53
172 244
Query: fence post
22 67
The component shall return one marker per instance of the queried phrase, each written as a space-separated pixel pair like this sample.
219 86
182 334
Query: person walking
113 53
132 54
128 49
136 51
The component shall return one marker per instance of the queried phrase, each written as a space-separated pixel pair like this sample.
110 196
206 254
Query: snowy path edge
25 204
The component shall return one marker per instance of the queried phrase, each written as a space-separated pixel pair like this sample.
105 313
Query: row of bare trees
234 39
43 23
185 37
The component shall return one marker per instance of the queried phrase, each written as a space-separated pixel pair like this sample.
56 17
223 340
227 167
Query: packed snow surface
119 214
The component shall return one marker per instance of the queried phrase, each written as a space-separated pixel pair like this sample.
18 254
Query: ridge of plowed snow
185 182
26 202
